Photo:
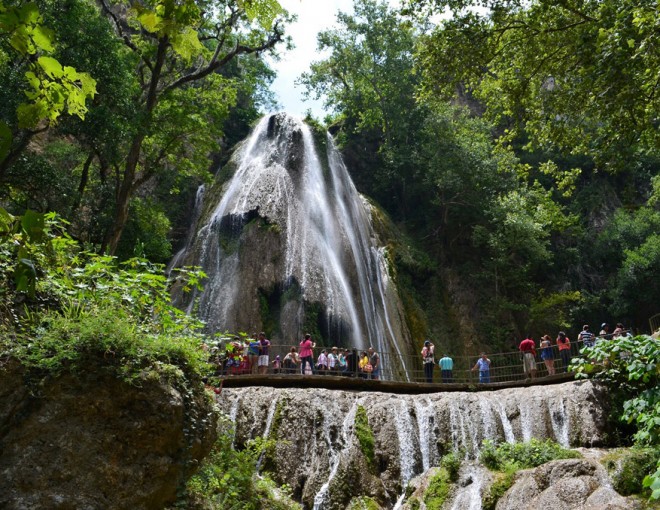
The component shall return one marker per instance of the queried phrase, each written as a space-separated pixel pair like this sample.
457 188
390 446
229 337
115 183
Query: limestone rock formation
95 442
320 457
574 484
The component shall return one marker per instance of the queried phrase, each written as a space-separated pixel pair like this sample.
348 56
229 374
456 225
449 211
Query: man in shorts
263 353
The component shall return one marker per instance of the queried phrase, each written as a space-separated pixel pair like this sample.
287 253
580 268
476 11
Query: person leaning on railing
446 368
564 346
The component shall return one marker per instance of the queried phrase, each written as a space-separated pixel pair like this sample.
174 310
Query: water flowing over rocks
95 442
320 457
287 242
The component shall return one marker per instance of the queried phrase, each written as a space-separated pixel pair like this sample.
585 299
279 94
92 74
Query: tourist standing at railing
291 361
528 349
374 360
586 337
428 352
333 361
264 345
341 360
547 354
564 345
605 331
322 363
362 364
352 363
306 354
483 365
254 348
446 368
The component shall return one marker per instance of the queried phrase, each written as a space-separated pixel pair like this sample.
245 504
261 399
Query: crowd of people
253 356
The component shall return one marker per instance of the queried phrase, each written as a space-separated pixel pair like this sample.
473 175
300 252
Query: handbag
368 368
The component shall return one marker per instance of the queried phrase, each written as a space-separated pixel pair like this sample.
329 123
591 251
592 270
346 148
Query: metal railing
504 367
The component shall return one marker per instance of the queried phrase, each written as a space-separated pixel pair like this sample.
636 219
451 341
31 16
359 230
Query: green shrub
628 467
502 483
438 490
228 479
363 503
452 463
522 455
631 369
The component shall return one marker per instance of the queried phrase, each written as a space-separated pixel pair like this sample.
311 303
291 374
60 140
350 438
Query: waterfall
334 454
425 422
506 423
317 448
406 438
289 224
559 420
197 210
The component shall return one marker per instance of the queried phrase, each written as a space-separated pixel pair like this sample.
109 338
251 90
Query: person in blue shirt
483 365
446 368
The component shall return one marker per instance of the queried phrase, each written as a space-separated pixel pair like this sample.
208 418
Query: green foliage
527 455
228 479
632 366
502 483
53 88
363 503
438 489
61 307
629 467
452 463
572 76
365 435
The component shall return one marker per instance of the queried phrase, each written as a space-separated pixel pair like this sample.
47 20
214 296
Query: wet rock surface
575 484
318 455
94 442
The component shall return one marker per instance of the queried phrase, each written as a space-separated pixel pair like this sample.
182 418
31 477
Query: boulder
92 441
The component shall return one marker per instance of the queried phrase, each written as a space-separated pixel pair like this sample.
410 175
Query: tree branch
216 63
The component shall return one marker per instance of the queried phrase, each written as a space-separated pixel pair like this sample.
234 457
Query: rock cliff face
95 442
288 246
320 455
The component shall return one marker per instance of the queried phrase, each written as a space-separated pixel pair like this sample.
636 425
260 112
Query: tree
578 75
180 47
50 87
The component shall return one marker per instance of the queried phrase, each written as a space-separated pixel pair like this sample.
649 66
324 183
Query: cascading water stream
335 454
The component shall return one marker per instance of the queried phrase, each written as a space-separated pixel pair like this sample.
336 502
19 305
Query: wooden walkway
333 382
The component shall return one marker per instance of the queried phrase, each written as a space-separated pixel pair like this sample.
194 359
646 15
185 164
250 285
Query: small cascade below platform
320 457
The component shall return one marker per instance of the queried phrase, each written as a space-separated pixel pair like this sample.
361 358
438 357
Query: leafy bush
452 463
502 483
228 480
522 455
628 467
631 368
438 490
61 307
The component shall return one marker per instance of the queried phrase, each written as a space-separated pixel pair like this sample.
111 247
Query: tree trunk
124 194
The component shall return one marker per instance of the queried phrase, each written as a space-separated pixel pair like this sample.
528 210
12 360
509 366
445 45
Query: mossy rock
365 436
502 482
438 490
363 503
627 468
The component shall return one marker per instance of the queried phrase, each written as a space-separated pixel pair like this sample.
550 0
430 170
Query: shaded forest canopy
514 145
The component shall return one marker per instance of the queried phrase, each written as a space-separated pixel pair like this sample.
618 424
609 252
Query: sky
313 17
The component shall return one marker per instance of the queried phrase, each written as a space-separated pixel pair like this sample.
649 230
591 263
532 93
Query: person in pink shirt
306 354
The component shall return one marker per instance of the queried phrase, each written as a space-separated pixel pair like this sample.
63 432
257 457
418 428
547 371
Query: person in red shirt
528 350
